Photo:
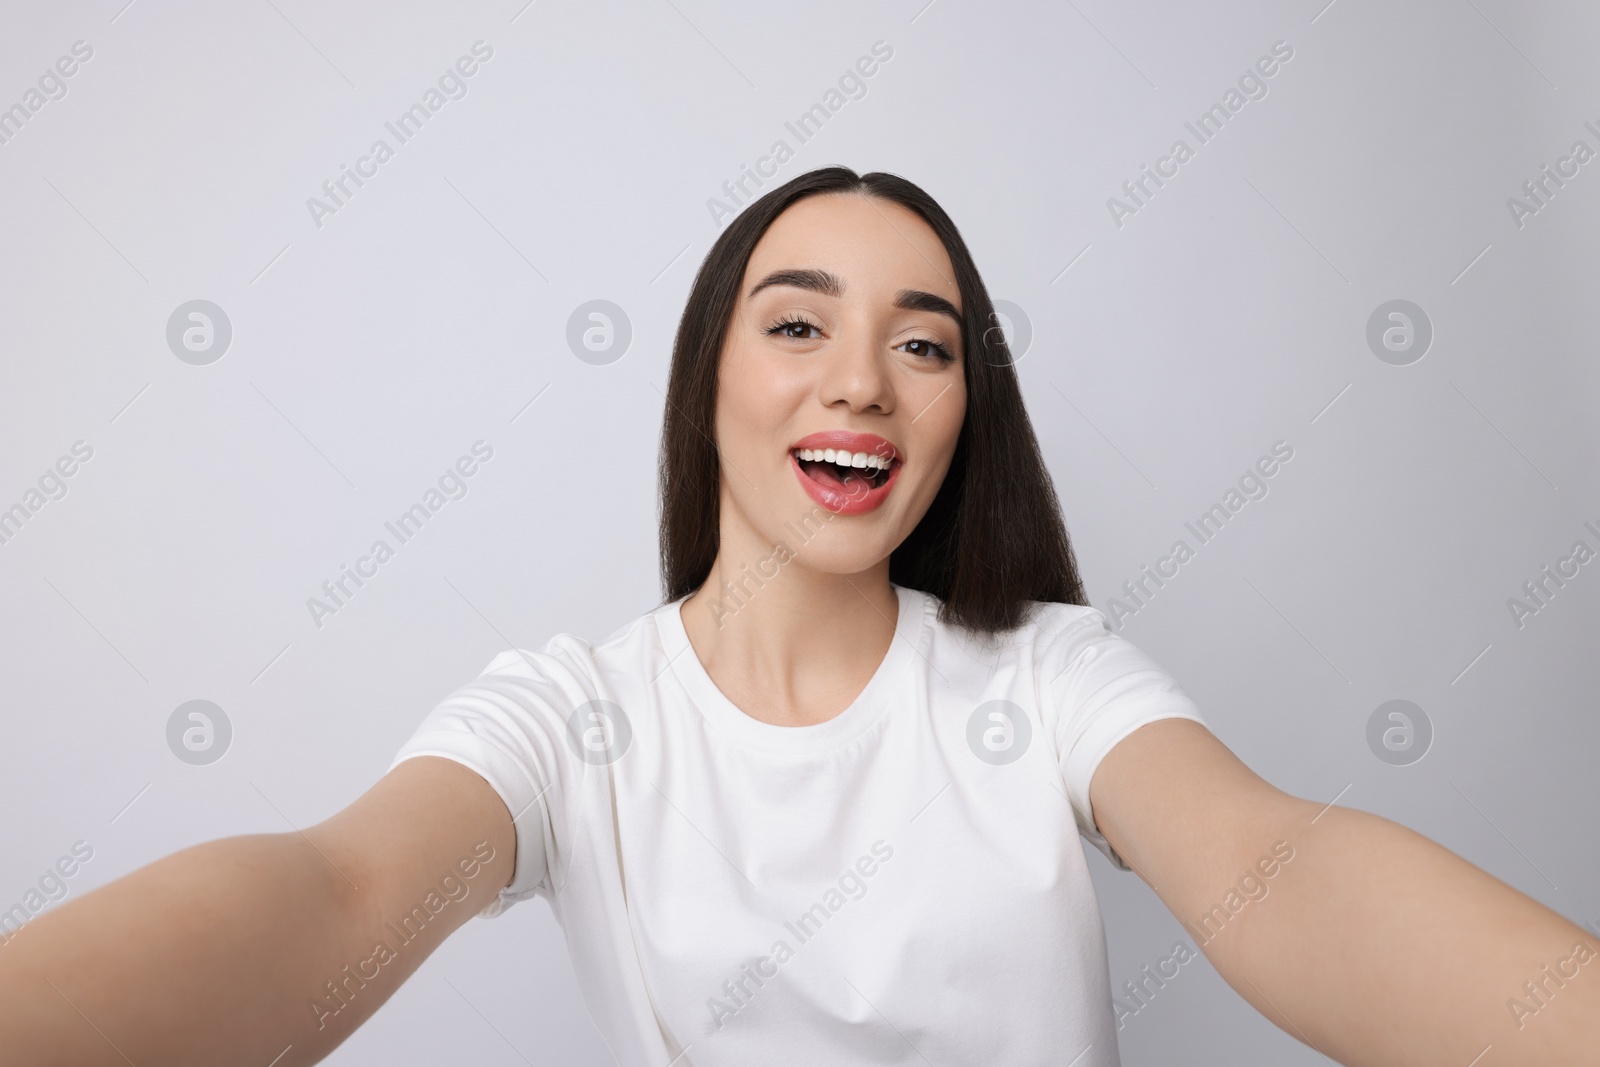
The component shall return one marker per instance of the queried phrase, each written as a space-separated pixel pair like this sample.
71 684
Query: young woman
822 805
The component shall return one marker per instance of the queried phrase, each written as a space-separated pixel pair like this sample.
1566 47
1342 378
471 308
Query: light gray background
367 355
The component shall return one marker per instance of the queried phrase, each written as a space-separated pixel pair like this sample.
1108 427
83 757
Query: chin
835 549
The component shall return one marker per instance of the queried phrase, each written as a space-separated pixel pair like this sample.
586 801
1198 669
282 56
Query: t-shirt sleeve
509 726
1097 688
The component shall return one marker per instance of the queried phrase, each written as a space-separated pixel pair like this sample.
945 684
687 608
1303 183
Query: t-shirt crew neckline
886 683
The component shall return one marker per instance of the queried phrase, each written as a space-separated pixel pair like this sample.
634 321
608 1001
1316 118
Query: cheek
734 382
934 437
744 402
941 420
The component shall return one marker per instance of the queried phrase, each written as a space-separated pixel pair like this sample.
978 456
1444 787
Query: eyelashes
940 352
785 323
935 349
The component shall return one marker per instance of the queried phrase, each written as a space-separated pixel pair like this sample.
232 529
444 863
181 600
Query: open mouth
851 472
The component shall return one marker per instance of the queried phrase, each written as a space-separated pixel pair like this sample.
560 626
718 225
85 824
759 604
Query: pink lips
857 501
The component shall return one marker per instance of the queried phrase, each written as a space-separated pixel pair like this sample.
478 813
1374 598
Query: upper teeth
847 459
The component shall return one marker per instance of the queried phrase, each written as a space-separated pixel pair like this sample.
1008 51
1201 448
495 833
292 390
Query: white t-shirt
900 884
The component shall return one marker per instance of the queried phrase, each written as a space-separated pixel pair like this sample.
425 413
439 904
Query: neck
764 622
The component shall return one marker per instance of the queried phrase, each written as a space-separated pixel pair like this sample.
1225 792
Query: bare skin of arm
1371 943
218 953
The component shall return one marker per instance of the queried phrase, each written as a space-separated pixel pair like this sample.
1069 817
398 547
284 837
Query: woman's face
846 336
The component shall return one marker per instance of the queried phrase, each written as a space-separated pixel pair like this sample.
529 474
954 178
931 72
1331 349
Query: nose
855 373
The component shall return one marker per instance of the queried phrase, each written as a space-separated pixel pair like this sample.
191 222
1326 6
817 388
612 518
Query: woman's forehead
856 245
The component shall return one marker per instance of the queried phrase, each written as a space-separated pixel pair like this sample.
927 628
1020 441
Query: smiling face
841 389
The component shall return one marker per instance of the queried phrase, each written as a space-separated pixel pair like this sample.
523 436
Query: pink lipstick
847 473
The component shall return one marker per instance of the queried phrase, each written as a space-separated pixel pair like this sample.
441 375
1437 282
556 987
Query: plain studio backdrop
230 457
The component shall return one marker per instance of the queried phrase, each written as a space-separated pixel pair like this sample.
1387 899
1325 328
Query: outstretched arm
258 949
1363 939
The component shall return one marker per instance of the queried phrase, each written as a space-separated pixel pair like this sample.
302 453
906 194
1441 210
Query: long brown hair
992 540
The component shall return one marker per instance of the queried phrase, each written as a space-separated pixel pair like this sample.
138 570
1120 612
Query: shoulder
1052 624
569 656
546 686
1047 629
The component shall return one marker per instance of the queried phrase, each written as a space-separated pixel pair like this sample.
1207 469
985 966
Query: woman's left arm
1363 939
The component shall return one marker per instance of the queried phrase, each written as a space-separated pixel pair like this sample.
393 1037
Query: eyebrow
830 284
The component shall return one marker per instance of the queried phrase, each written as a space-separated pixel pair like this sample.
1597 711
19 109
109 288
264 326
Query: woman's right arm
240 949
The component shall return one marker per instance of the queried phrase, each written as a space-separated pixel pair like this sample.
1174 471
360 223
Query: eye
784 326
930 349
